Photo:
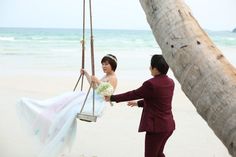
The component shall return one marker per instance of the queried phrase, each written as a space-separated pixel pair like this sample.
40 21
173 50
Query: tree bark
205 75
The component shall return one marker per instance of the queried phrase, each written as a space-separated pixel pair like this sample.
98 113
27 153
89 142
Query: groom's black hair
159 62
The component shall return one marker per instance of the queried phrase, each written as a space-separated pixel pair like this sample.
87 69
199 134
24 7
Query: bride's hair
111 59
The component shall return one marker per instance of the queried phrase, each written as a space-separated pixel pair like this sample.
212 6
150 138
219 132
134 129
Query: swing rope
83 52
86 117
92 52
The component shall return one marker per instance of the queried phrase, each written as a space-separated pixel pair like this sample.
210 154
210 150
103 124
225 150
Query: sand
115 134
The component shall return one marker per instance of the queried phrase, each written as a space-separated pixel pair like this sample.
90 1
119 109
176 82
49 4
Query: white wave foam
7 38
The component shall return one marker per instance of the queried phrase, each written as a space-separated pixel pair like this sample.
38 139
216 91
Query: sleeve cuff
112 98
140 103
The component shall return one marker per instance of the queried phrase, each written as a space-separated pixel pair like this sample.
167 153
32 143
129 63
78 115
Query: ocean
48 49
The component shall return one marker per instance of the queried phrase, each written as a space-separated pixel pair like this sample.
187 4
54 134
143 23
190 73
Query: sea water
49 49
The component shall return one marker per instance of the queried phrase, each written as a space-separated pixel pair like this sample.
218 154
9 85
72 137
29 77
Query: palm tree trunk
205 75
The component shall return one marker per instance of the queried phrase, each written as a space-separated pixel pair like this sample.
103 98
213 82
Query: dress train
53 120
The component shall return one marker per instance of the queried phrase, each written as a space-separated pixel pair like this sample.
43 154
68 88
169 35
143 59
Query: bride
53 120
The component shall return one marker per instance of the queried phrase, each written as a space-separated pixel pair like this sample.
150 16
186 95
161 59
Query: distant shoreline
54 28
104 29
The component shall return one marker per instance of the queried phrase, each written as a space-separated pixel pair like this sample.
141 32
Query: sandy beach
113 135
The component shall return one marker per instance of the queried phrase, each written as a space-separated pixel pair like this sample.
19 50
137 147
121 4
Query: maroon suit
157 119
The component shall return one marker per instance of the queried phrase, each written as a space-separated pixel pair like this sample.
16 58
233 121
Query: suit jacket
156 99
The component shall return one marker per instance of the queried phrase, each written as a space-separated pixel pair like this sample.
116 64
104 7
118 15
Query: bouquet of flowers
105 89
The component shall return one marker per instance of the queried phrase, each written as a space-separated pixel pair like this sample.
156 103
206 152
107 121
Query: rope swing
85 116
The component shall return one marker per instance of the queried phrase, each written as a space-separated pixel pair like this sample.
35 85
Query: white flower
105 89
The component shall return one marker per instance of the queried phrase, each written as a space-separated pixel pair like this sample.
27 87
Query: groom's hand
107 98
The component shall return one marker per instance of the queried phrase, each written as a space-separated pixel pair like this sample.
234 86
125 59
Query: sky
107 14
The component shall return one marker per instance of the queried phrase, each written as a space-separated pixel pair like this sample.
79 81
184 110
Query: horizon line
23 27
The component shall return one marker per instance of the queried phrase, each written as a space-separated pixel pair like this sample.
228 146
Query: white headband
111 57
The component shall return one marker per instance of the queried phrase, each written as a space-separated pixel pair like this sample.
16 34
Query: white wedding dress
53 120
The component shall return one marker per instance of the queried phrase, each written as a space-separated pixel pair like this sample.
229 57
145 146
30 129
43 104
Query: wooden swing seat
87 117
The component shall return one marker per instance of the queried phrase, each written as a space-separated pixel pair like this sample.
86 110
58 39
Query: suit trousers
155 143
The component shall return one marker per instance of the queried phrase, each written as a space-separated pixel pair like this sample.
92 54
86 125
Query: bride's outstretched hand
132 103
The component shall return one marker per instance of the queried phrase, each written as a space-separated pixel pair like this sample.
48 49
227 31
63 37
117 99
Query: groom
156 100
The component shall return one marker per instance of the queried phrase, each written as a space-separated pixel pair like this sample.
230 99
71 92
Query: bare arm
88 77
91 79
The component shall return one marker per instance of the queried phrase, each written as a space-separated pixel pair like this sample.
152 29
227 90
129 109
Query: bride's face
106 67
